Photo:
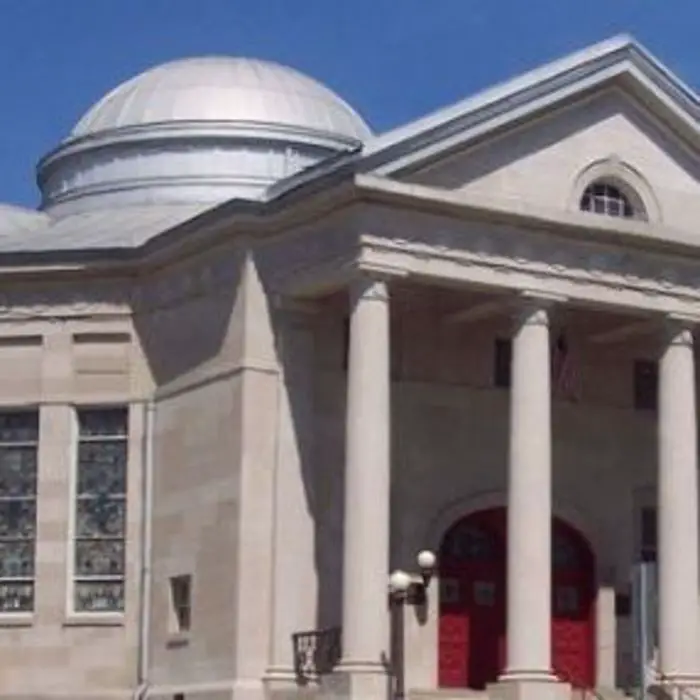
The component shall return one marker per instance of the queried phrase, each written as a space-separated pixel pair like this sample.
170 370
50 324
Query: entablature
494 255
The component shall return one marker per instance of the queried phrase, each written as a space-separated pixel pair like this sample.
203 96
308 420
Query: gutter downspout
142 684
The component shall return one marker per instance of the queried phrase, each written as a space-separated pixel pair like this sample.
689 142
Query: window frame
181 611
630 181
36 444
74 578
622 196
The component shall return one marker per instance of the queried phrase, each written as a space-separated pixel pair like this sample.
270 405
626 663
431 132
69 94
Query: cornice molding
64 301
422 199
293 239
521 261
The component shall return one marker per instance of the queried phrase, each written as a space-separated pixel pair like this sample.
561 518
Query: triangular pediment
549 162
619 66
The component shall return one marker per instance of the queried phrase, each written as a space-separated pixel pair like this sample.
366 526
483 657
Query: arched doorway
472 627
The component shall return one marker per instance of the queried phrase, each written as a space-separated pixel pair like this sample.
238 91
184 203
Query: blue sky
394 60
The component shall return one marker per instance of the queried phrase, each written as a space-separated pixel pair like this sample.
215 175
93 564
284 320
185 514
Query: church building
290 409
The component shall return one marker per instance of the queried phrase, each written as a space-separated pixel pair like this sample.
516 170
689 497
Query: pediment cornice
620 62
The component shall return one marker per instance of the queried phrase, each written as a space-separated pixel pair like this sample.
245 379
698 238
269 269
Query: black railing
665 690
316 653
687 693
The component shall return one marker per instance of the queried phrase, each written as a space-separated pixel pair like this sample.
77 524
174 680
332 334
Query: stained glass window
467 542
19 442
100 510
566 600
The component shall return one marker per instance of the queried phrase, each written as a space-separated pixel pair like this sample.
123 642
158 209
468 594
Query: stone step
469 694
446 694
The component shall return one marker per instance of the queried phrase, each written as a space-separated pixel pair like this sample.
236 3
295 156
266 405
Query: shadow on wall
317 429
189 319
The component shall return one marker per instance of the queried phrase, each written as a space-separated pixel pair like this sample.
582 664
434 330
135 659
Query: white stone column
678 509
367 476
529 572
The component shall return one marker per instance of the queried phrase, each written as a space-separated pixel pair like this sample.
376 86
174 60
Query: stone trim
509 258
630 181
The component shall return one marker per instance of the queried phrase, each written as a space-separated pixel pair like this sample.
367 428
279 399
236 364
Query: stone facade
312 401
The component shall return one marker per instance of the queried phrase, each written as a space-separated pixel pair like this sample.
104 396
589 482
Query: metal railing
665 690
671 691
682 691
316 653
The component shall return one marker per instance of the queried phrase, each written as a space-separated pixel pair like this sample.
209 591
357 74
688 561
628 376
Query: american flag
565 379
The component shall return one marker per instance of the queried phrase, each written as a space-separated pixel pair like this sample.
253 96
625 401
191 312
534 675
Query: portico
528 662
410 318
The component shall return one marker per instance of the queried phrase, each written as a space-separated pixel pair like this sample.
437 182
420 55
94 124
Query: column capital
531 315
543 299
679 330
369 287
533 308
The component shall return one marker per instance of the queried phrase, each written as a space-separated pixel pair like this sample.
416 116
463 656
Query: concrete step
600 694
469 694
446 694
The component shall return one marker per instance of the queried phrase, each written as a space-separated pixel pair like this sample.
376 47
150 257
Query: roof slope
124 228
620 60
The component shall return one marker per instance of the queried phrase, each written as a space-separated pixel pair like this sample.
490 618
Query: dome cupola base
197 130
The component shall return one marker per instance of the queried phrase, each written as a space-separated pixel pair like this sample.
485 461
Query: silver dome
198 130
224 89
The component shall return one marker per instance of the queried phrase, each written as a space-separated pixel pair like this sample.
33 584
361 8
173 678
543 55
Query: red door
573 608
472 603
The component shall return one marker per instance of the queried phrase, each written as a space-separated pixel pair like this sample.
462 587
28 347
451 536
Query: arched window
468 542
565 553
607 198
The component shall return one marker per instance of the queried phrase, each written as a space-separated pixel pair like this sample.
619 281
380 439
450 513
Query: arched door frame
463 507
492 503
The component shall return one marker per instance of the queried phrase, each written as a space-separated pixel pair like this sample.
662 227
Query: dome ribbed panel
221 89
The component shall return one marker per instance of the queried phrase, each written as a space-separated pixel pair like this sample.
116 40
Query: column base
279 674
281 681
356 682
283 684
529 686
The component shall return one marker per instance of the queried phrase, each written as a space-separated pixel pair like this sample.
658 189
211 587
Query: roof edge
548 84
